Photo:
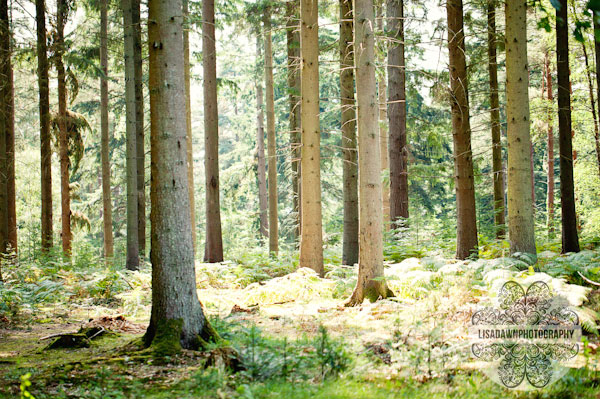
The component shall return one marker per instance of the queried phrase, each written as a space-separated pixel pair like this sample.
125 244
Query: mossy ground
295 338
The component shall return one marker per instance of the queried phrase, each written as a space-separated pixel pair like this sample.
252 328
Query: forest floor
294 335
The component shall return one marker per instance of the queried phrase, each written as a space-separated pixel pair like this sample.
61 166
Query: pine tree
105 134
497 171
271 138
213 251
311 241
350 167
370 258
521 232
570 241
176 310
466 216
45 137
398 151
133 247
65 195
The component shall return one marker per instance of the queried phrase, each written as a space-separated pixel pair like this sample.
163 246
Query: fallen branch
54 336
587 280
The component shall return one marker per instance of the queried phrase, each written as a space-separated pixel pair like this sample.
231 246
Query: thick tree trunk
311 242
139 125
104 134
260 152
213 252
188 114
466 216
383 121
550 144
45 138
597 51
521 231
9 126
271 139
398 151
350 167
370 261
174 299
133 247
570 241
293 79
63 141
497 172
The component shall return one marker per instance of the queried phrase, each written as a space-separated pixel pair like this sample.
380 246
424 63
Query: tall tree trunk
260 152
5 126
590 88
398 151
383 126
597 52
350 167
65 195
550 141
370 258
45 138
188 113
213 252
497 172
104 134
570 241
592 102
311 242
133 247
521 232
271 139
466 216
293 78
9 111
139 125
175 303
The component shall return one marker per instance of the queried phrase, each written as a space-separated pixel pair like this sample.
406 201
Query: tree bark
550 144
383 121
45 138
311 241
398 151
350 167
570 241
590 89
133 248
260 152
139 125
370 255
104 134
271 139
9 111
597 51
65 195
188 113
213 252
174 298
5 127
521 232
466 216
293 78
497 172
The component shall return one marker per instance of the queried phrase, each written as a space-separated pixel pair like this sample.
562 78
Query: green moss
167 338
208 335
